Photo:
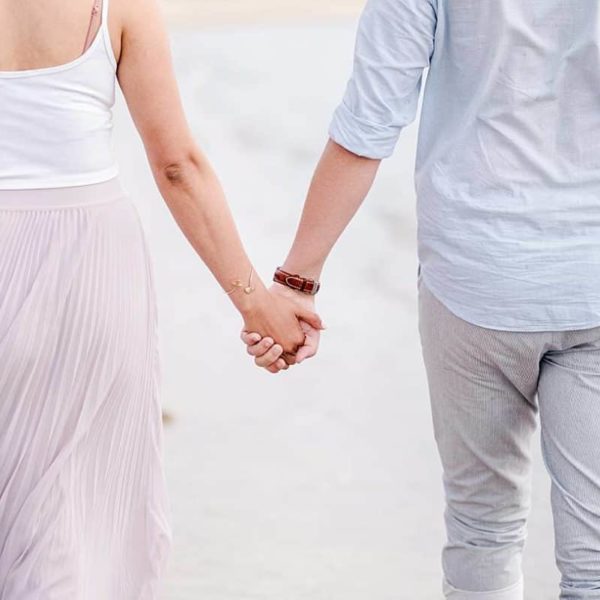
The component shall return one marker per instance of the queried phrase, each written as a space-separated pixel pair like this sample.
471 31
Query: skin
339 186
41 34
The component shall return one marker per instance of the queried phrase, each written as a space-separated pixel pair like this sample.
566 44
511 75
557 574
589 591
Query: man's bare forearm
340 184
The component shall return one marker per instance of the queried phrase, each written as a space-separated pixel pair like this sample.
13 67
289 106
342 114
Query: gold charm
237 284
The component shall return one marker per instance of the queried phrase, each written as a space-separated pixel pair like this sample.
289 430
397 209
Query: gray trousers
487 387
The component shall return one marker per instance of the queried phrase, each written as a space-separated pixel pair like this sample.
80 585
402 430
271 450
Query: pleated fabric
83 506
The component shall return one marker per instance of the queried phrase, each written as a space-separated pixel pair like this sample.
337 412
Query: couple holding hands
508 187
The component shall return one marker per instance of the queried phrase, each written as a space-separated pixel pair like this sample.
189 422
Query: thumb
311 343
310 317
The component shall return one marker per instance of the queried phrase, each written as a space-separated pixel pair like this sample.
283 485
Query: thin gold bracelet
237 284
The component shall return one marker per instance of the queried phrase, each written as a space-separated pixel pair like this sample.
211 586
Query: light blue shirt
508 161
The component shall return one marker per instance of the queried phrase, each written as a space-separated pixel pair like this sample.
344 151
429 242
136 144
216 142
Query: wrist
305 269
288 293
295 281
248 304
308 271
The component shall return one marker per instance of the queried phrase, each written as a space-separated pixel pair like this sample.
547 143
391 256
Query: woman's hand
269 355
278 316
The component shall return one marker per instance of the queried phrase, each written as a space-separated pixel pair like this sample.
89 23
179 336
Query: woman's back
42 34
57 90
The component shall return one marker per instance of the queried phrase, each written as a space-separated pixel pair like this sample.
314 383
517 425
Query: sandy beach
202 12
323 483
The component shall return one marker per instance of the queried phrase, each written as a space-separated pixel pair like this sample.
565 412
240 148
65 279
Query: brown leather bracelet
296 282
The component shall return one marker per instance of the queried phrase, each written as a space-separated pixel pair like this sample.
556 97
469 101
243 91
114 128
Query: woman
82 498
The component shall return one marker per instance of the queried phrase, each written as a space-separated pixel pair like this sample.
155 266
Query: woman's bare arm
184 176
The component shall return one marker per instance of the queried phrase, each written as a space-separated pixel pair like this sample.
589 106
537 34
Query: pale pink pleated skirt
83 507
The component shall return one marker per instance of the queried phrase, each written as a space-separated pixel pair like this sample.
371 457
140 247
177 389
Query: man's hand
278 317
269 355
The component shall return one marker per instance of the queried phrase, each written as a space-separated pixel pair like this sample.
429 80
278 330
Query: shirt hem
537 327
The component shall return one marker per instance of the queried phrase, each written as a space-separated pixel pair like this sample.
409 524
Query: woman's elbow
179 170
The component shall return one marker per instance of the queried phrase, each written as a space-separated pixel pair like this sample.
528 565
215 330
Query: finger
305 352
261 348
311 343
289 357
250 338
282 365
268 358
306 328
279 365
311 318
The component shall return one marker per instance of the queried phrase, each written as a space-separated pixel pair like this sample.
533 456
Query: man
508 186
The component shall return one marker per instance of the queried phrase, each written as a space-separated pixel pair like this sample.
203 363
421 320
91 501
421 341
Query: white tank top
56 122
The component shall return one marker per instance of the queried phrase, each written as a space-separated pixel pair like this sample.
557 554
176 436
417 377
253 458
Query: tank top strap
104 7
105 32
98 28
93 27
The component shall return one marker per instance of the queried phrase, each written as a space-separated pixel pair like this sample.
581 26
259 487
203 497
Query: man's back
508 166
525 85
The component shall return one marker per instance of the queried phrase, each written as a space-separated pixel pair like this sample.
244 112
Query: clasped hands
284 331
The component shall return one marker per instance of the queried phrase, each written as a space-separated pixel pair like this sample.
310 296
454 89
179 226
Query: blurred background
322 483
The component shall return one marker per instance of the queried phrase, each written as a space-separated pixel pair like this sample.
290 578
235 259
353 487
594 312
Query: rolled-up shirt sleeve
394 45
